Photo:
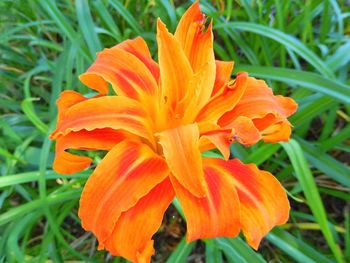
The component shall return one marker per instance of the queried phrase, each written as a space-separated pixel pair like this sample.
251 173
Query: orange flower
164 116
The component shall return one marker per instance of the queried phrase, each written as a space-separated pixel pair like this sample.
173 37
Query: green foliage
301 47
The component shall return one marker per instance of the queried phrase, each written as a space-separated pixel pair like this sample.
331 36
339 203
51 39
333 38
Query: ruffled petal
189 30
224 100
126 174
130 70
220 139
181 150
68 163
223 74
175 71
263 201
114 112
277 132
242 130
268 112
138 47
196 40
99 139
67 99
218 213
259 101
197 43
273 129
245 131
131 237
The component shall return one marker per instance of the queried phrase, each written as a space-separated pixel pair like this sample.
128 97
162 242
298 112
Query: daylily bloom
163 116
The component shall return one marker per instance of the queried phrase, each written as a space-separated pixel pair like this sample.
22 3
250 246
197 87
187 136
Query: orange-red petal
126 174
223 74
258 101
114 112
67 99
273 129
245 131
181 150
132 234
278 132
195 39
220 139
68 163
263 201
242 130
224 100
218 213
268 112
130 70
99 139
175 70
138 47
197 43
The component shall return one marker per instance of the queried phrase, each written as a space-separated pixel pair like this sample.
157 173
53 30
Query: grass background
301 47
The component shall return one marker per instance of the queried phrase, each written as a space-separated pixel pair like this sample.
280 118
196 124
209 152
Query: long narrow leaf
307 182
286 40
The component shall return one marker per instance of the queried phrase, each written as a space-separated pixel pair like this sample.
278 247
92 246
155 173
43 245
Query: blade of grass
87 26
27 177
307 182
327 164
288 41
21 210
181 252
51 8
117 5
236 250
212 252
295 248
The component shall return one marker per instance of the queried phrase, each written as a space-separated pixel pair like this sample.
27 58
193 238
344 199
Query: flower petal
263 201
214 215
138 47
277 132
130 70
242 130
224 100
144 219
268 112
197 43
258 101
181 151
114 112
245 131
126 174
220 139
195 39
67 99
273 129
175 69
99 139
223 74
67 163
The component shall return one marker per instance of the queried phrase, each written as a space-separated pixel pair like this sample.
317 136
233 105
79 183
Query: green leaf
307 182
212 252
295 248
327 164
236 250
87 26
284 39
126 15
181 252
28 109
